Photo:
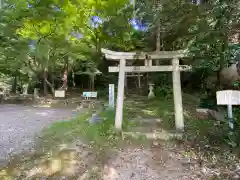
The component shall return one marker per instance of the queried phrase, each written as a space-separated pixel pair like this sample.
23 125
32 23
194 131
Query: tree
51 30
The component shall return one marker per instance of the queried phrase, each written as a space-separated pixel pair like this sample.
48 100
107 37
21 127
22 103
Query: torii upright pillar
177 95
120 95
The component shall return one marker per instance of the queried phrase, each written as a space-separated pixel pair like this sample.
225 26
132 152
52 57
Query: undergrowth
101 134
104 133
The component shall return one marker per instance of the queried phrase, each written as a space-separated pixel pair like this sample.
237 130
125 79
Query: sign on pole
229 98
59 93
111 95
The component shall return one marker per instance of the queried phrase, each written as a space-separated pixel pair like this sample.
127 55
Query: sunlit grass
100 134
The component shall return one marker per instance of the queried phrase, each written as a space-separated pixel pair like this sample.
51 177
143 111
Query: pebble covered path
20 124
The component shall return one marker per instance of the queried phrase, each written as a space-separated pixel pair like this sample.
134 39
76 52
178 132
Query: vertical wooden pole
120 95
177 93
230 117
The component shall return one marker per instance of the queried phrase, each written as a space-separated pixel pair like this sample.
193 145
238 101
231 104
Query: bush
163 91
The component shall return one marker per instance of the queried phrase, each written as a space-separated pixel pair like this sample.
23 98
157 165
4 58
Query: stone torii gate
148 58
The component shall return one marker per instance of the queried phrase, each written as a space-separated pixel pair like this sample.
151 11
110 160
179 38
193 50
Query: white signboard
111 95
60 93
90 94
228 97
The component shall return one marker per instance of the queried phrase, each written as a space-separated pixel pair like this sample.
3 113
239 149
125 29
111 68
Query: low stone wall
18 99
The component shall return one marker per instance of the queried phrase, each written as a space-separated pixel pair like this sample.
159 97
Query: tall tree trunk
73 79
158 32
92 82
158 40
47 83
65 74
14 87
53 74
45 87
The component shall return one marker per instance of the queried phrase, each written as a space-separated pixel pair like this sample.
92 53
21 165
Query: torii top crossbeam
113 55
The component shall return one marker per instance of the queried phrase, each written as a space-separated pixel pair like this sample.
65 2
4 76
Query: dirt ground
155 157
148 164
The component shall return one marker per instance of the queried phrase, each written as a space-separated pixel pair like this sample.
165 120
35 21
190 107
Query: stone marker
111 96
36 93
25 89
229 98
95 119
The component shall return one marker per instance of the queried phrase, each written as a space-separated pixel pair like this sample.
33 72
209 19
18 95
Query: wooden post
139 81
177 93
230 117
120 95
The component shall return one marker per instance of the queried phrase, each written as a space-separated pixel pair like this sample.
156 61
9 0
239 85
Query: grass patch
102 134
155 108
197 130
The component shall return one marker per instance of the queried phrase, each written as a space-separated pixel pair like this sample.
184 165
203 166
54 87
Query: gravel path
19 125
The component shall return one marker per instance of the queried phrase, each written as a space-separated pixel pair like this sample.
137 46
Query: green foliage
208 103
5 82
234 53
163 91
210 34
101 134
203 29
161 88
38 36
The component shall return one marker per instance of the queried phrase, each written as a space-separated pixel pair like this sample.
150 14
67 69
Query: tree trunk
50 85
65 74
158 33
14 87
47 83
92 83
53 74
158 39
45 87
73 79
